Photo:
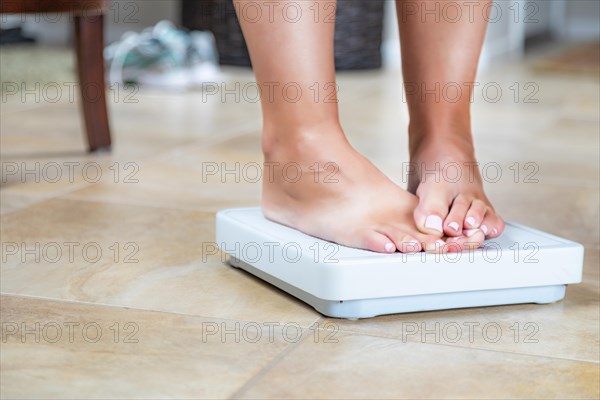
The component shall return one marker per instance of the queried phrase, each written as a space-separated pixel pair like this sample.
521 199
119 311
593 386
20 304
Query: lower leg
314 180
292 62
440 53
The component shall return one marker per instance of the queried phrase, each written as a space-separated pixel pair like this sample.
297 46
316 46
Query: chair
88 17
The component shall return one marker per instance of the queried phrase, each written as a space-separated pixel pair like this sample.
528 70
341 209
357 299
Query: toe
431 211
475 215
409 245
493 225
471 239
430 243
453 224
437 246
455 244
489 223
376 241
403 241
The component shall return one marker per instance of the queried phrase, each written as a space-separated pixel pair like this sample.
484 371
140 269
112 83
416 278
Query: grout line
285 352
457 346
134 308
471 348
305 334
72 196
34 200
42 198
210 141
176 151
26 108
267 368
94 199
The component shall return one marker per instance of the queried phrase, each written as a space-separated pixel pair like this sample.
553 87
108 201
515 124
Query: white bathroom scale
523 265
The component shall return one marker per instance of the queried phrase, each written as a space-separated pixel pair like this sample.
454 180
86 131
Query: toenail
389 247
454 225
494 231
470 232
484 229
434 222
471 221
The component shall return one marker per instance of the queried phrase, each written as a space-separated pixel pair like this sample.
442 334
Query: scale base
368 308
523 265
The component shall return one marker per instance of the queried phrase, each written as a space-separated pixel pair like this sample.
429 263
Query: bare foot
323 187
447 181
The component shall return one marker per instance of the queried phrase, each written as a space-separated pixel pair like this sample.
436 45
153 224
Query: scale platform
523 265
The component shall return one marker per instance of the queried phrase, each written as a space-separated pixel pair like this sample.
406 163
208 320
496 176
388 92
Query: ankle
440 126
298 140
455 139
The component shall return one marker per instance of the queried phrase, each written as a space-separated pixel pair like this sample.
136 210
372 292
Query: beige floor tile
567 329
9 107
133 256
191 115
46 155
88 351
57 130
534 164
570 212
10 202
201 178
142 122
359 367
48 176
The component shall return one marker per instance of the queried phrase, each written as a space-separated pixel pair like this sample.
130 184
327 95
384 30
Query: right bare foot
323 187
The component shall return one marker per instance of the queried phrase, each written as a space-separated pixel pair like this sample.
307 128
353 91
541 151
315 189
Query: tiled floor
121 297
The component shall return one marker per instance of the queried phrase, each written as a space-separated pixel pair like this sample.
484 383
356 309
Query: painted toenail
470 232
389 247
484 229
494 231
454 225
434 222
471 221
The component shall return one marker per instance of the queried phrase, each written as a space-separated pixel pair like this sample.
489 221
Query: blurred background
366 35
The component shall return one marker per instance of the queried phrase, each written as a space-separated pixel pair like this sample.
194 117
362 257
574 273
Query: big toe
431 211
374 241
404 240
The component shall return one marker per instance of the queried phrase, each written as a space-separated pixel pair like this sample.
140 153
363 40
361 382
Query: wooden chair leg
89 45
